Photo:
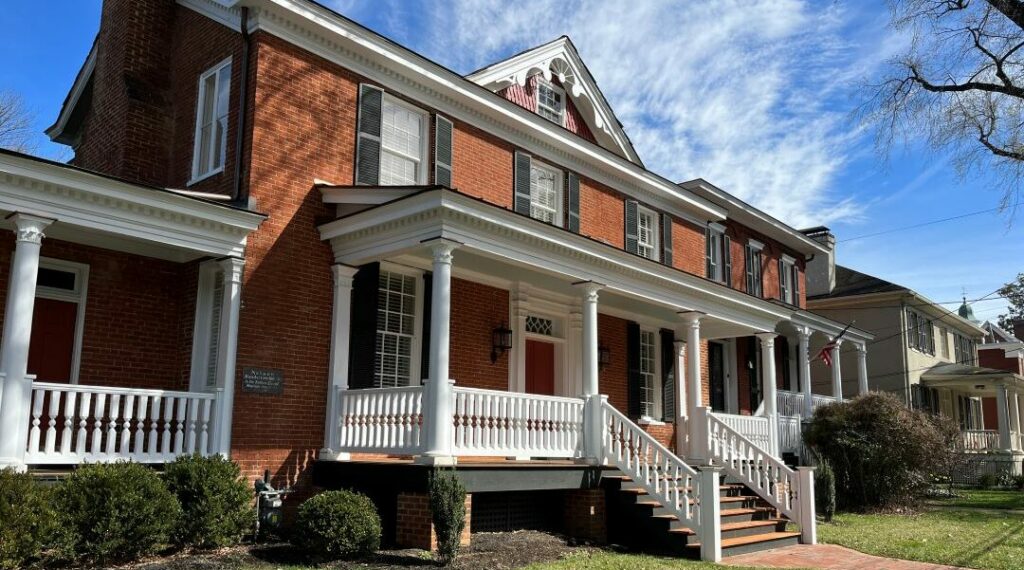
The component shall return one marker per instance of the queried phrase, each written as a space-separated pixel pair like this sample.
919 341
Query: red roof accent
526 97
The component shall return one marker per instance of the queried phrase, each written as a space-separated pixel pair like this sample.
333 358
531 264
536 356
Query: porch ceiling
92 209
506 245
975 380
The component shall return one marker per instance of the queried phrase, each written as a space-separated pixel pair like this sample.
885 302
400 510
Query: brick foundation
585 515
414 527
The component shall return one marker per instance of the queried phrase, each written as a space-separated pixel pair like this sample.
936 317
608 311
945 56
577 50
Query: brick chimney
1018 328
127 132
821 269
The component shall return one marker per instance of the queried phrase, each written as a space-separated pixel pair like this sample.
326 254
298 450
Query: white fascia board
364 194
829 326
87 200
319 31
948 316
453 216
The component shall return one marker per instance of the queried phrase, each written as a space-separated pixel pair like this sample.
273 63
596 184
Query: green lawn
945 534
611 561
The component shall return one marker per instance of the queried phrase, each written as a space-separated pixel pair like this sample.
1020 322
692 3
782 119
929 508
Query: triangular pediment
559 62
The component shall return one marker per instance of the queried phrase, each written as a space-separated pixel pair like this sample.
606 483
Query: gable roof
559 58
65 129
852 282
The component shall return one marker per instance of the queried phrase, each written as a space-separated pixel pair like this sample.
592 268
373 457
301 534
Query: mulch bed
499 551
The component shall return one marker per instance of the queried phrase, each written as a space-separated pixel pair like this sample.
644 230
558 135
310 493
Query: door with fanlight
55 343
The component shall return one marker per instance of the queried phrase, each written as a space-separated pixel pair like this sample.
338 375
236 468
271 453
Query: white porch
64 421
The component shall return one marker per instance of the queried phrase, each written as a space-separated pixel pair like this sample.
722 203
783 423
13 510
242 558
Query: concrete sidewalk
828 556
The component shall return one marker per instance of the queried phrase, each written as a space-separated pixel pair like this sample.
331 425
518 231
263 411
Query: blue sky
753 95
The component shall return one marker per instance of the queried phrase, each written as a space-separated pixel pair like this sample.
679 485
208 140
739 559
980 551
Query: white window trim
422 159
656 388
536 97
201 326
754 246
559 177
789 265
718 234
77 296
196 137
642 210
415 356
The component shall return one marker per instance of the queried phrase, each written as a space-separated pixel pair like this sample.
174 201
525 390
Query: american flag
826 351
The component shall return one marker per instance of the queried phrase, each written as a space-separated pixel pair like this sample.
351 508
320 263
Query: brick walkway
827 556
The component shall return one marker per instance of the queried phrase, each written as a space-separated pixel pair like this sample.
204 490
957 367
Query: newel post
438 394
805 505
710 514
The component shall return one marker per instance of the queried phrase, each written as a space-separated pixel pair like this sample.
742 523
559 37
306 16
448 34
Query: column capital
767 338
29 228
343 274
590 289
232 267
442 249
804 332
691 317
837 343
862 348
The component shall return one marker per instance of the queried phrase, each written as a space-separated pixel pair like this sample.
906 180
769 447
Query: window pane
401 130
647 234
397 170
647 373
545 196
396 318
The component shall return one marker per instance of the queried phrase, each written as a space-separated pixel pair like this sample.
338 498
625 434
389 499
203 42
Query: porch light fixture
604 356
501 340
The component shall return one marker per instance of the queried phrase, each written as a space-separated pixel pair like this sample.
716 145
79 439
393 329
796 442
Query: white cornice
326 34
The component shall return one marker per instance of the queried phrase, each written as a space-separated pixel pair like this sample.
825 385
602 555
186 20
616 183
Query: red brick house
290 240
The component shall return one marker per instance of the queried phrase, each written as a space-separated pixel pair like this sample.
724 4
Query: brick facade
414 527
585 515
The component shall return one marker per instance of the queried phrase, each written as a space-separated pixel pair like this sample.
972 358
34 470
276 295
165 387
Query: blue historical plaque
263 380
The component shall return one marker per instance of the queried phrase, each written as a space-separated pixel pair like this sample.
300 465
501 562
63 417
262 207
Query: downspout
243 97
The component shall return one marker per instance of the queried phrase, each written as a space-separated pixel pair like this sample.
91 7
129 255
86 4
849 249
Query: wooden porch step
735 526
754 542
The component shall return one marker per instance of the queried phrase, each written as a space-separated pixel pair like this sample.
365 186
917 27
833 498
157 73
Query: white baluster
179 425
97 426
51 429
204 433
168 428
83 418
66 440
192 414
37 412
110 445
126 425
138 444
154 418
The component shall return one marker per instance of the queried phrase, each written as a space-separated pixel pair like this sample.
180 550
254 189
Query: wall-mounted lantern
501 340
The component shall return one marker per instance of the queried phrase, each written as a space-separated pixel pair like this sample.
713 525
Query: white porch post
710 513
862 369
837 372
1003 411
1014 419
591 391
231 303
769 389
681 399
337 375
437 399
805 505
694 398
804 360
21 297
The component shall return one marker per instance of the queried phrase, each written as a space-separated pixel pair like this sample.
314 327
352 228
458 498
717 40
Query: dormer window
551 102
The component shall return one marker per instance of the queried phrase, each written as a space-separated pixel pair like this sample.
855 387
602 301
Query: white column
231 303
805 505
862 369
21 298
437 399
1014 419
591 390
1003 411
837 372
694 397
768 382
337 374
681 399
804 361
710 514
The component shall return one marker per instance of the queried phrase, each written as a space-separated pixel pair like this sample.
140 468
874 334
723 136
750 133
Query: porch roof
974 379
803 317
100 210
403 225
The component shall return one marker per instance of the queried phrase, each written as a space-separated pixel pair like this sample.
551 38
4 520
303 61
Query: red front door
52 346
540 367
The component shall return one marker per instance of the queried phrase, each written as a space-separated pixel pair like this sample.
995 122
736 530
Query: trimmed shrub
825 490
883 454
216 502
111 512
987 480
1018 482
26 519
337 524
448 511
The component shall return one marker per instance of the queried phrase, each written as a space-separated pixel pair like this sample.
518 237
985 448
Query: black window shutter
634 381
522 183
572 197
727 260
442 151
748 267
631 222
666 239
428 291
782 280
668 375
709 271
371 100
363 337
796 285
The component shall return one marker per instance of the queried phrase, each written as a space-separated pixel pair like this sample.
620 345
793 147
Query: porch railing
755 428
492 422
73 423
791 438
381 420
792 403
979 439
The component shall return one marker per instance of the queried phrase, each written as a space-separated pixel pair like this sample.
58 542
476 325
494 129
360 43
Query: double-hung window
550 102
545 193
752 259
211 136
649 374
397 298
647 233
788 280
920 333
403 147
717 254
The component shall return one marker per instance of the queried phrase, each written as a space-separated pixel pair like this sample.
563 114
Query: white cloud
745 93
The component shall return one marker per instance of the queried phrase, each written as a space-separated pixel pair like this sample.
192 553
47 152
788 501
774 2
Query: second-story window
402 144
545 193
647 232
211 136
550 102
920 333
718 256
789 281
755 285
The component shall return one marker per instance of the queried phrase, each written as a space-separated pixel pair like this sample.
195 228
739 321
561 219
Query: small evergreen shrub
26 520
825 490
114 512
337 524
1018 482
987 480
216 502
448 511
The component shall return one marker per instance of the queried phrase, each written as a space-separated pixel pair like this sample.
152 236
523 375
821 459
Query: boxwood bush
26 520
216 502
337 524
448 512
114 512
